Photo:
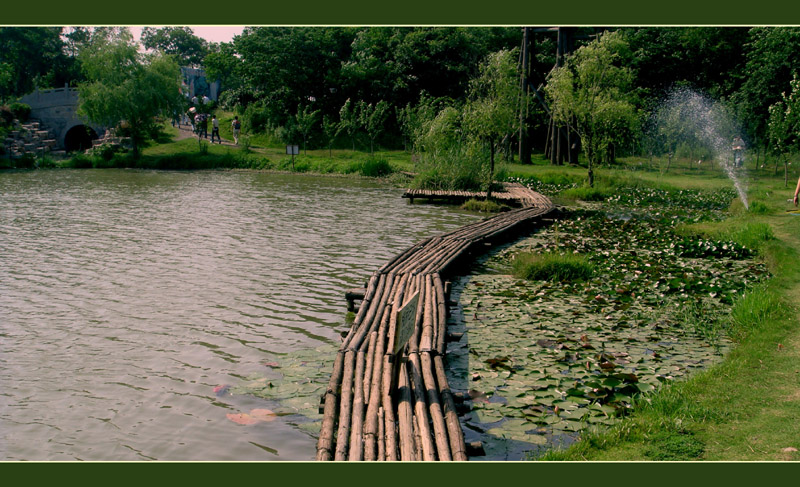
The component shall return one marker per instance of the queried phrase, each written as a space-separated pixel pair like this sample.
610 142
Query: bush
371 166
80 161
21 111
552 267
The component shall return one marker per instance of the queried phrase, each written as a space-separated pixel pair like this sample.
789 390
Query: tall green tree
591 94
783 127
772 56
329 130
348 120
180 42
32 57
127 87
305 119
373 119
490 115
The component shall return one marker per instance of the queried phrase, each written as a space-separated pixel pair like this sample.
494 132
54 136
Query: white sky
211 33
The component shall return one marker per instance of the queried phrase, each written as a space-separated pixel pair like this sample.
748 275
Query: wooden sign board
406 321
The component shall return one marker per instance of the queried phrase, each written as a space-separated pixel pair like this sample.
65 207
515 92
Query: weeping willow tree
490 116
591 95
126 87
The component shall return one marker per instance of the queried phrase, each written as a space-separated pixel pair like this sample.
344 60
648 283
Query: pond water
134 305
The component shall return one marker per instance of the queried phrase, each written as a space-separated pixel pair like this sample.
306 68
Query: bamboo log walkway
511 193
386 406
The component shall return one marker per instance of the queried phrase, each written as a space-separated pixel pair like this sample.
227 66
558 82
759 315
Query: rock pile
30 138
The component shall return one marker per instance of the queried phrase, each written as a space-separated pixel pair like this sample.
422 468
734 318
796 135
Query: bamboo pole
457 446
372 344
441 311
390 428
346 406
374 306
325 442
435 408
426 339
357 420
373 423
381 436
420 408
404 415
362 310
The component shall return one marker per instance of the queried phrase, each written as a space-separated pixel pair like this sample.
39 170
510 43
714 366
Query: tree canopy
591 94
126 88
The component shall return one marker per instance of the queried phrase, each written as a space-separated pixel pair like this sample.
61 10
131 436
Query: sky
211 33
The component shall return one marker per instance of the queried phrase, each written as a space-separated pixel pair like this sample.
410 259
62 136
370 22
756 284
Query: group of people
199 123
200 127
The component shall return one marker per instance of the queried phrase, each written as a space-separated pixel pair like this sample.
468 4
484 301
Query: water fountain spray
690 117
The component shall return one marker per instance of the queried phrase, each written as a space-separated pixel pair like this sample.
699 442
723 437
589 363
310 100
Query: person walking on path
236 125
215 130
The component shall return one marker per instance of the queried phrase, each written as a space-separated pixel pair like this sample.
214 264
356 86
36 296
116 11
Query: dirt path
185 132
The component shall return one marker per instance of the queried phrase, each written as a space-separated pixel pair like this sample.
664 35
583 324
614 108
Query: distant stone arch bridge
57 110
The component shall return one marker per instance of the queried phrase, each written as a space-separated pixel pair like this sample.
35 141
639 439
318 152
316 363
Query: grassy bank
173 153
747 407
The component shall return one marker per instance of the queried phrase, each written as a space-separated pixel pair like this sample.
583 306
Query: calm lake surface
128 298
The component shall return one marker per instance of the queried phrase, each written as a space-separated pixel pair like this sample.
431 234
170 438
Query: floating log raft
385 406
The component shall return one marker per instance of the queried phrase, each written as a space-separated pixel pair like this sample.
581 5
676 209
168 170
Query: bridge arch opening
79 138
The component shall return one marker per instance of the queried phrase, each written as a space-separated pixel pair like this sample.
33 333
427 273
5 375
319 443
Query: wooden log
362 310
428 446
345 410
404 415
374 306
413 344
435 408
417 439
373 423
457 447
428 262
357 420
390 428
381 436
441 312
325 442
398 303
426 338
403 256
373 341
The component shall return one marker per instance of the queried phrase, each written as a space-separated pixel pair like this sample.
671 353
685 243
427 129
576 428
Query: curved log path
385 406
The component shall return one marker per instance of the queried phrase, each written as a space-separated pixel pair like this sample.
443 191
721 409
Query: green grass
483 206
550 266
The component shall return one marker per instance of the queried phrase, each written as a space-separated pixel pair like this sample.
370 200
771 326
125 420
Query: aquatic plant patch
548 359
294 381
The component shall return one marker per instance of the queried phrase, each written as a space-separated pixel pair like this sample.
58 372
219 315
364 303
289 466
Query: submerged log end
475 449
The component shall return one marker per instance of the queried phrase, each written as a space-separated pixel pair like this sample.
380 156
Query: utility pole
524 144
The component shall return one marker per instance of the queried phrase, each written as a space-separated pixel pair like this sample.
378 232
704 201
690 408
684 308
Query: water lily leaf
242 418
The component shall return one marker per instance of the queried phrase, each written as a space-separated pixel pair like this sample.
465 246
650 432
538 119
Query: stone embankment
30 138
